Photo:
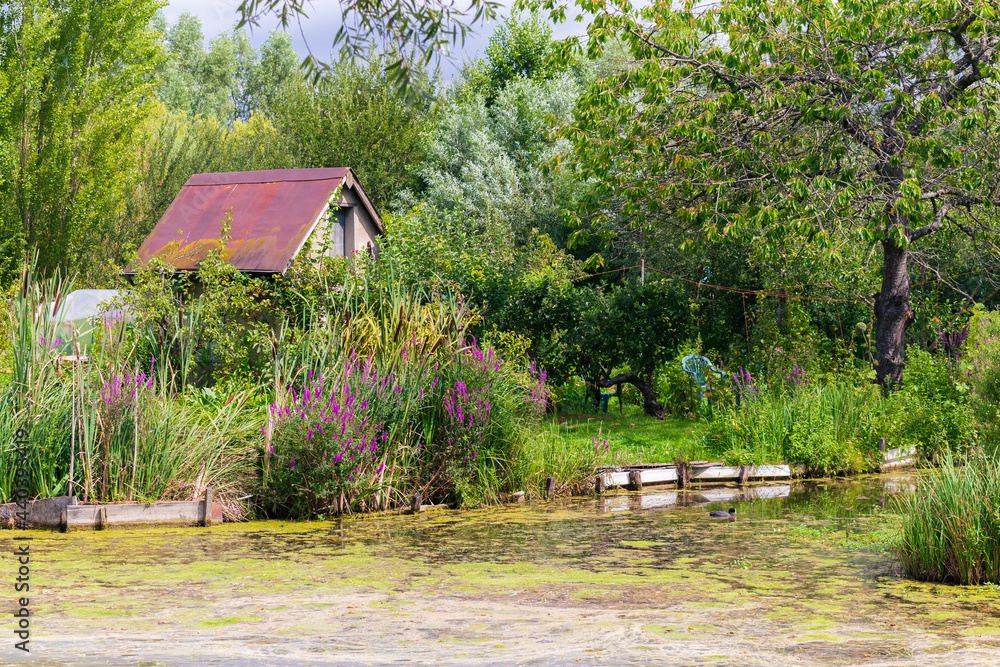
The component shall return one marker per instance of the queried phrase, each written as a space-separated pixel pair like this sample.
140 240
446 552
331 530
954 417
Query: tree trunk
892 316
650 405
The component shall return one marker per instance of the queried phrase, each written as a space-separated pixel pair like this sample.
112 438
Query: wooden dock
900 457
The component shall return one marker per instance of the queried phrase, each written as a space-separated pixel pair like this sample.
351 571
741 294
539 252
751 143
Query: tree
417 31
517 50
75 87
230 80
354 118
800 122
633 330
483 161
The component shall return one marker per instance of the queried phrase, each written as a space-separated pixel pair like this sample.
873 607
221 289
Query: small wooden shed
275 214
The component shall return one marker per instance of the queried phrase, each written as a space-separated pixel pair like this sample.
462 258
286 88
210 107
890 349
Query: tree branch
934 225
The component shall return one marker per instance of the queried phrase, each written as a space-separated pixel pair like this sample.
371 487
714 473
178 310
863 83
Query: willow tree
802 121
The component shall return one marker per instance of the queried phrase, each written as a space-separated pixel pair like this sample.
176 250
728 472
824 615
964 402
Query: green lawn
631 437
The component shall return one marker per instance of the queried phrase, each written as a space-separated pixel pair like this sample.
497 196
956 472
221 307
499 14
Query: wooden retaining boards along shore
685 474
64 513
697 471
900 457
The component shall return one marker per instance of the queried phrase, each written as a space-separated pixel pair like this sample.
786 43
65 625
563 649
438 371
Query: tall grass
129 440
831 428
951 526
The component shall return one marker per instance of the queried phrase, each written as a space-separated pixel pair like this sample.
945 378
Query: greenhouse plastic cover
77 314
84 303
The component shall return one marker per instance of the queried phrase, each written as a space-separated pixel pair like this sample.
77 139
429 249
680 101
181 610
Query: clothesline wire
770 291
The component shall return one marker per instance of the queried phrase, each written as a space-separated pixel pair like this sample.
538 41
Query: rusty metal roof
273 214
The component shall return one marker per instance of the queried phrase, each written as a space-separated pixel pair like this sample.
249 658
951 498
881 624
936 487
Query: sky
316 32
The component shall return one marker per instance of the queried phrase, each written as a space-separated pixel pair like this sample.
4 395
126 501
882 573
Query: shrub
931 412
329 445
448 417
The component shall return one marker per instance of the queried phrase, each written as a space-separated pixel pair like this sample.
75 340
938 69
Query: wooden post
102 518
683 475
744 474
207 517
550 487
600 484
635 480
415 502
63 520
881 445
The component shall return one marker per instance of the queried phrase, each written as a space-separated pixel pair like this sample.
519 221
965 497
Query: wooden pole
72 436
415 502
600 484
135 431
550 487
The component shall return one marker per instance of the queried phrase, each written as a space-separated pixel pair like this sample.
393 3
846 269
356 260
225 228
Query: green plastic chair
697 367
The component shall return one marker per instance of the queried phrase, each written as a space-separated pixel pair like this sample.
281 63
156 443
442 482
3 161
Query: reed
951 526
572 461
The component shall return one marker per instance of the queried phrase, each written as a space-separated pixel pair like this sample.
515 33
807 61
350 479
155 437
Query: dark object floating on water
731 514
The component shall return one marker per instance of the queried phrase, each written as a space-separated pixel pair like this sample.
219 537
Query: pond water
801 577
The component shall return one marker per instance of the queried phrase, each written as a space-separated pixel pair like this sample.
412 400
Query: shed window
338 227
